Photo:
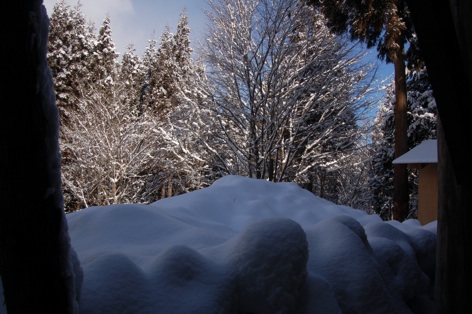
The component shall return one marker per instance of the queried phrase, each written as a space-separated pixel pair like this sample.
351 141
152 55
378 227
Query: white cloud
96 10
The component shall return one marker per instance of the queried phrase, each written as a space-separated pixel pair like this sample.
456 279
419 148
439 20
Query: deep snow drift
251 246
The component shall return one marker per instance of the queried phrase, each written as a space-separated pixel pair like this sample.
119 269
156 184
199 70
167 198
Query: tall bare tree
285 89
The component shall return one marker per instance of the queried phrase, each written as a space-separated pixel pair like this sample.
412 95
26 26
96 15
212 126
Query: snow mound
250 246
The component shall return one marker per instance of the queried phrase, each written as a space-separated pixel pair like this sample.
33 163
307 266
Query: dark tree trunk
444 31
400 172
35 263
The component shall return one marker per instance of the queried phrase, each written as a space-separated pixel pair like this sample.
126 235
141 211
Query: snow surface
426 152
250 246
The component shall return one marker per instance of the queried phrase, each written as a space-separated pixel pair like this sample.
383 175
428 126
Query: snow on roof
426 152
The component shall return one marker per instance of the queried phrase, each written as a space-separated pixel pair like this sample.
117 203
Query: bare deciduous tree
287 92
113 148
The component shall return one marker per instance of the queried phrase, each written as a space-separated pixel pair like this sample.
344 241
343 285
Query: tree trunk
35 253
400 172
169 187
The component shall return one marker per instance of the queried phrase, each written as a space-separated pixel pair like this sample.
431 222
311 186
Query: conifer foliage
104 56
70 47
71 43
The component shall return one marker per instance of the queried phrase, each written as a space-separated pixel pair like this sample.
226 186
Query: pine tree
69 49
190 119
159 94
133 75
181 114
151 87
104 56
166 76
185 70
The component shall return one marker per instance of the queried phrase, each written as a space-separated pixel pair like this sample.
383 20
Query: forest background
271 94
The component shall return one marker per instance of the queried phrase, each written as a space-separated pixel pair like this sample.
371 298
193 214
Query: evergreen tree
166 68
70 46
150 89
422 116
103 66
191 121
133 75
386 25
182 50
159 94
183 117
154 108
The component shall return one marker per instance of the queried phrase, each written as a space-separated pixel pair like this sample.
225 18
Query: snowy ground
250 246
